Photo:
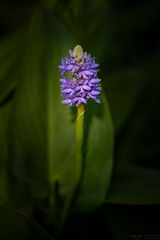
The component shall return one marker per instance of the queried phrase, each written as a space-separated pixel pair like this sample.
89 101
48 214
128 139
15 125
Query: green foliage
41 164
98 156
39 173
15 225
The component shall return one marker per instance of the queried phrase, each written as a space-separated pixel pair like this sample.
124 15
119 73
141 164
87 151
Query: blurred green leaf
99 156
137 169
123 90
71 13
10 49
43 171
133 184
4 116
41 141
14 225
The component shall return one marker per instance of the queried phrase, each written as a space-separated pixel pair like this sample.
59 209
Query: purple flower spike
84 83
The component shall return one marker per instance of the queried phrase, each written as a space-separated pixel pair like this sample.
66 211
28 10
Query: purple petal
79 102
83 100
70 104
78 88
97 100
75 68
94 92
75 99
90 84
84 76
63 80
93 97
82 90
88 73
66 101
80 74
86 87
61 67
68 90
71 53
95 80
95 65
99 88
69 67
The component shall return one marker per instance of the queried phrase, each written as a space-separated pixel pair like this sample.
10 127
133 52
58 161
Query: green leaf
14 225
42 168
98 161
4 116
10 50
133 184
137 168
42 136
123 89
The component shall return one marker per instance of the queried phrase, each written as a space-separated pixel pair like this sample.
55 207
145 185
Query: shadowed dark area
37 140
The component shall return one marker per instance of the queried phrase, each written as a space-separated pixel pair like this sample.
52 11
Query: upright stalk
79 133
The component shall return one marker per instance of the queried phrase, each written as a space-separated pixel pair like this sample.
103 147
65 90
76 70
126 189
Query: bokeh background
123 36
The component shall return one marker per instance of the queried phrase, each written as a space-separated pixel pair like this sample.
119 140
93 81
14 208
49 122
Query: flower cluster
83 83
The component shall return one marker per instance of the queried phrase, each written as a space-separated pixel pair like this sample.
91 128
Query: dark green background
123 36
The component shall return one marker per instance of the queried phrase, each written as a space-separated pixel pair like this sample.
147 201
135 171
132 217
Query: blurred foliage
15 225
37 142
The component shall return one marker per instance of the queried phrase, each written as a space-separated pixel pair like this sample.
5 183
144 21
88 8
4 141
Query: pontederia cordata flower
83 83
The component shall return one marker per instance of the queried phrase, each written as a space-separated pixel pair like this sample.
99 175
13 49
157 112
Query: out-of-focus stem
79 127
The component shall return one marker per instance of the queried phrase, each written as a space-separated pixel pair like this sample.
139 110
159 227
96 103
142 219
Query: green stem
79 135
